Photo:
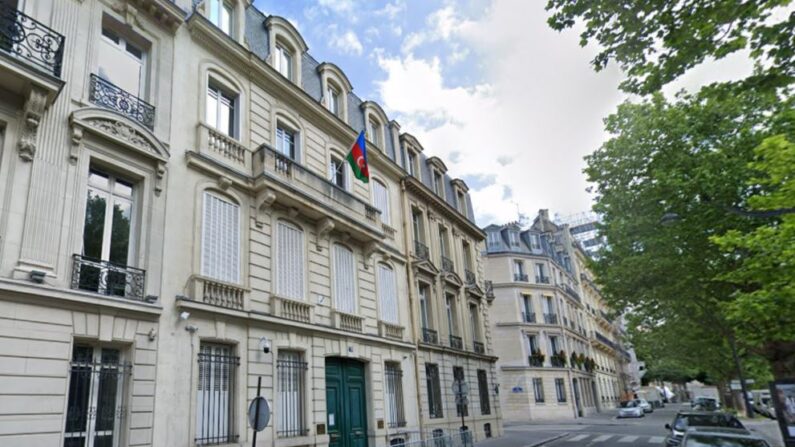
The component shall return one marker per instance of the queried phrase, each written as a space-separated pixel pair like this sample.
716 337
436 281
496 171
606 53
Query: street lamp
671 218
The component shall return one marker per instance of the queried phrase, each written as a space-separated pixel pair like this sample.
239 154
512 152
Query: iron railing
430 336
447 264
551 318
434 389
456 342
31 41
394 391
421 250
542 279
535 361
483 392
479 347
573 293
215 397
529 317
471 278
520 277
110 96
557 362
107 278
290 372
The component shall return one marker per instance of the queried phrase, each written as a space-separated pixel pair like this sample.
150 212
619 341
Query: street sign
517 389
460 387
461 400
259 415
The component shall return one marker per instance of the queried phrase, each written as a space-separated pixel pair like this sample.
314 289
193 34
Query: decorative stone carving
265 200
159 174
122 131
224 182
324 227
77 141
33 110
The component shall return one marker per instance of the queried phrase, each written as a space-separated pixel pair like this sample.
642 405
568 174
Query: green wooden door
346 406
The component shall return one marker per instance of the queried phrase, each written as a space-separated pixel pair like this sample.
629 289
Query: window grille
560 390
394 396
458 376
434 391
96 408
215 402
483 391
290 369
538 390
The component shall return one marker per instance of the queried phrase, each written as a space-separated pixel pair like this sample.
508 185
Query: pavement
604 430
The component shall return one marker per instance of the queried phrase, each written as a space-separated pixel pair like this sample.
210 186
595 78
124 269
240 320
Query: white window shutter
221 239
344 279
387 291
290 262
381 200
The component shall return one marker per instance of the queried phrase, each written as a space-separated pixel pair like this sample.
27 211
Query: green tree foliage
656 41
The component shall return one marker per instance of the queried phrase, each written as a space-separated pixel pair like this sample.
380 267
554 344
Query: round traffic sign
258 421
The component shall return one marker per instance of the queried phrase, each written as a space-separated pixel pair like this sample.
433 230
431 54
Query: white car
631 409
645 405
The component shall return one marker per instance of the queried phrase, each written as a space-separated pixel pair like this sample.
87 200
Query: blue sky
510 105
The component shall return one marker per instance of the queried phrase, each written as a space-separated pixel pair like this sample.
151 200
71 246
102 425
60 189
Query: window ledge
301 441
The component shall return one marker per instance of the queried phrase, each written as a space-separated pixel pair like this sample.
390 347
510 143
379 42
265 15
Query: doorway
346 403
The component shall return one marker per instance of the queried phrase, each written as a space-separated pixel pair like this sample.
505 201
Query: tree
656 41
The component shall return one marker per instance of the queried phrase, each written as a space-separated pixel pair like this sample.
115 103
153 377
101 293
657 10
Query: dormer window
412 164
220 14
461 202
335 86
438 184
374 131
535 242
513 237
283 61
333 100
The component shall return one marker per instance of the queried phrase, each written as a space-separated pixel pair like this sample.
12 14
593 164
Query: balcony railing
108 95
573 293
535 362
348 322
31 41
551 318
556 362
542 279
291 309
520 277
218 293
456 342
389 330
479 347
421 250
447 264
224 148
107 278
430 336
471 278
529 317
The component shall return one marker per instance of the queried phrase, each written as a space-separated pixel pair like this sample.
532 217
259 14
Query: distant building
582 227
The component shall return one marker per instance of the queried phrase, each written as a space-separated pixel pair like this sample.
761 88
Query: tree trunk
781 356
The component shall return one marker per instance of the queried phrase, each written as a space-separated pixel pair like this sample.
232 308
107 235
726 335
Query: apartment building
179 225
543 322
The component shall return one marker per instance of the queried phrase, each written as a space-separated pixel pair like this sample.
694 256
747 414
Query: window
220 14
458 376
532 343
553 344
513 238
283 61
107 234
443 241
285 141
474 322
527 306
560 390
215 397
425 314
290 371
465 248
493 239
344 279
290 261
387 291
438 185
541 274
434 391
337 172
416 226
535 242
538 389
412 164
394 395
461 202
381 200
220 239
518 271
121 61
548 305
374 131
451 314
221 106
96 408
333 99
483 392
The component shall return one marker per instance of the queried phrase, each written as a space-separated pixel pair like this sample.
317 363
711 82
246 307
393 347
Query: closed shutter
290 262
344 279
221 239
387 290
381 200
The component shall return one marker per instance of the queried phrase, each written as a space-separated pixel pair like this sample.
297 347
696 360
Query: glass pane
120 231
98 179
79 391
226 22
122 188
212 108
94 224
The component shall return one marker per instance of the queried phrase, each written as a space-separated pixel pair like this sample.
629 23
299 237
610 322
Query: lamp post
670 218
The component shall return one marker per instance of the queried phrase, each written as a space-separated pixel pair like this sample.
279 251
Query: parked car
645 405
703 403
721 437
630 409
692 419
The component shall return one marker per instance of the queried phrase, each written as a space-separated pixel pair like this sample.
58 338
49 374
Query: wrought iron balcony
29 40
430 336
421 250
573 293
535 361
479 347
556 362
529 317
108 278
110 96
551 318
471 278
456 342
520 277
542 279
447 264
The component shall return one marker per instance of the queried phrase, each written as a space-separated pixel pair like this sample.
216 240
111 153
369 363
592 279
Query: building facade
557 347
181 231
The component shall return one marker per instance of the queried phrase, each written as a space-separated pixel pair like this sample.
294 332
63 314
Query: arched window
290 261
220 239
381 200
344 279
387 294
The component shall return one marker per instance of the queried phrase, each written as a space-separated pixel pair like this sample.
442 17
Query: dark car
721 437
687 419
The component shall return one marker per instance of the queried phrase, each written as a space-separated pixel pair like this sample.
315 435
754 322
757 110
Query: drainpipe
412 300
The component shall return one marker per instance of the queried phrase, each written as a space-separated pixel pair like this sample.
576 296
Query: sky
509 104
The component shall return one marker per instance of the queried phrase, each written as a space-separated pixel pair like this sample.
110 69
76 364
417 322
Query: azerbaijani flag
357 158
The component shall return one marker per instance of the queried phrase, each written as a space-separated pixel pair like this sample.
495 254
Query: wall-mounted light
152 334
37 276
184 315
191 328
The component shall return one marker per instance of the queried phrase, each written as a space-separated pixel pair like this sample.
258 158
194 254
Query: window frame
381 288
393 395
222 92
335 278
231 367
434 391
538 390
375 131
127 39
229 201
285 59
222 5
560 390
109 194
298 367
287 129
278 286
483 392
386 214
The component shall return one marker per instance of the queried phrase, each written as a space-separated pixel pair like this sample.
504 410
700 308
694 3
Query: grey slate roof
501 244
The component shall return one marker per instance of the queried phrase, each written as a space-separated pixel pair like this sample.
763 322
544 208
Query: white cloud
345 42
337 6
392 10
442 25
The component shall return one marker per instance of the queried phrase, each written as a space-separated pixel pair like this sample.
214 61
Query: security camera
265 344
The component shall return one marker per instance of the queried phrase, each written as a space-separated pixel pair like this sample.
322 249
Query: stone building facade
179 226
558 348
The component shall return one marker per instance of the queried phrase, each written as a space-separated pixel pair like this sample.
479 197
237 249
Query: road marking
577 438
656 440
602 438
628 439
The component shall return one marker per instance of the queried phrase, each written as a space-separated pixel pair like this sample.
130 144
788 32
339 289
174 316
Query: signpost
259 413
460 389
